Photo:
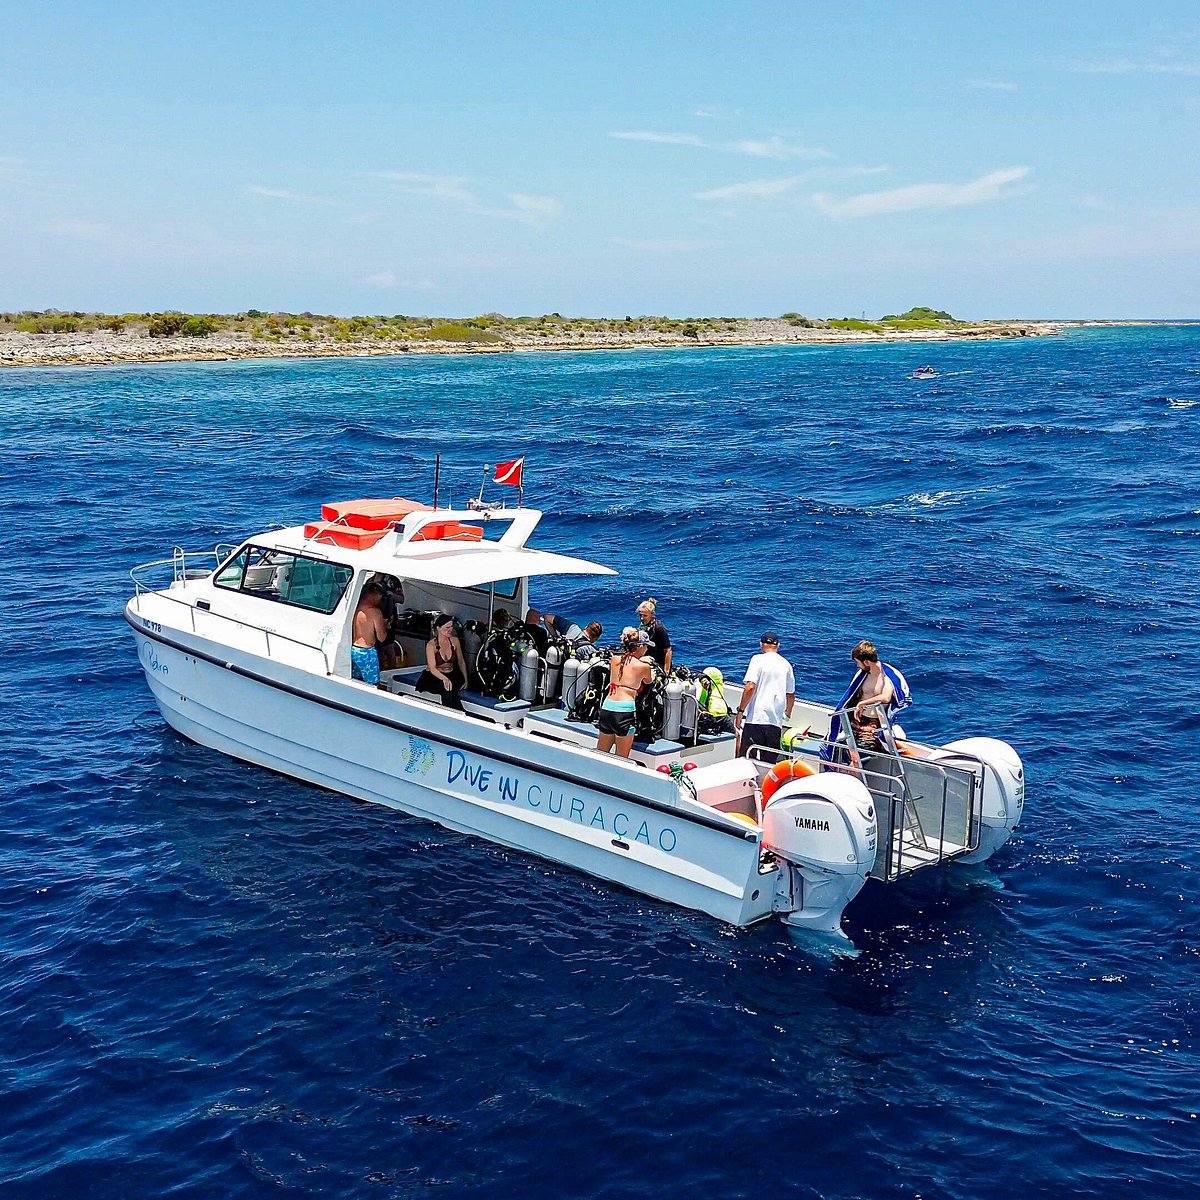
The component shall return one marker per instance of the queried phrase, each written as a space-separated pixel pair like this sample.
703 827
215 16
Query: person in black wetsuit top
656 631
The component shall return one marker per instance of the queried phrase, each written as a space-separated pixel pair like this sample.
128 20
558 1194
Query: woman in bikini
628 674
445 673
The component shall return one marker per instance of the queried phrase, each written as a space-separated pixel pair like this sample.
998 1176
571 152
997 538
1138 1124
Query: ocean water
221 982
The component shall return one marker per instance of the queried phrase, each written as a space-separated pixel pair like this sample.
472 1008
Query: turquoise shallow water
222 982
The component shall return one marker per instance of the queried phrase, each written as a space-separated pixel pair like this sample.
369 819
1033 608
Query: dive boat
246 649
924 373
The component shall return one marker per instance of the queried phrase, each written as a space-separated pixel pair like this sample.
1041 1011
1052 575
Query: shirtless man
877 688
629 672
370 630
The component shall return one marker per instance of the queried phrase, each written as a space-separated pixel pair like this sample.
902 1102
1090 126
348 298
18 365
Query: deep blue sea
218 982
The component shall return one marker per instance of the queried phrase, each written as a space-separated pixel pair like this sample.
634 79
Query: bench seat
501 712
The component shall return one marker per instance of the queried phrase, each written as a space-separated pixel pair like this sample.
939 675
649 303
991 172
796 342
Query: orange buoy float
781 773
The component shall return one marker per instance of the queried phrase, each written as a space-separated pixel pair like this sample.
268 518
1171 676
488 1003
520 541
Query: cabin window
506 589
286 578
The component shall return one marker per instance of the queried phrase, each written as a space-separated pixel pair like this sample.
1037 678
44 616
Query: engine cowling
824 829
1002 774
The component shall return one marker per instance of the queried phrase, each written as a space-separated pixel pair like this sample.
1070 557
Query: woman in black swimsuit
445 673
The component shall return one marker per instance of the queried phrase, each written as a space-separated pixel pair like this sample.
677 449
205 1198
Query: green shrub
198 327
853 323
455 331
166 324
921 314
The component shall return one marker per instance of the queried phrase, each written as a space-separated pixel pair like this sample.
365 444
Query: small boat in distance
924 373
247 650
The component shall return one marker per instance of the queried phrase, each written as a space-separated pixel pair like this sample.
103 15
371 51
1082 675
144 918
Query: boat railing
184 566
179 564
928 812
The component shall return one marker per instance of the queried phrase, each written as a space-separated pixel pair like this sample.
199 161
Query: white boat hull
555 801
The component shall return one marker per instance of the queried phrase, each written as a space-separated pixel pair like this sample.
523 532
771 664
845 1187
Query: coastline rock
103 347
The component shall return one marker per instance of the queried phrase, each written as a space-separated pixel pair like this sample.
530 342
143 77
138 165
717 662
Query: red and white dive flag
509 472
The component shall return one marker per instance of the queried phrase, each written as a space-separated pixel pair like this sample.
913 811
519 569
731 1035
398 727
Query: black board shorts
617 722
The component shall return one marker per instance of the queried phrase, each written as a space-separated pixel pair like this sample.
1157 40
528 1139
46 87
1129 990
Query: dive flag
509 472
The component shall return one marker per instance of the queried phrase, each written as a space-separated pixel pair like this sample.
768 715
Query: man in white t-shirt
767 698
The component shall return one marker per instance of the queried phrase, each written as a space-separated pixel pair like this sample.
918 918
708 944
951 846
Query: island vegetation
55 335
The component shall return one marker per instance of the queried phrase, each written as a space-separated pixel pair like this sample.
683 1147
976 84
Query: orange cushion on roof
450 531
340 535
370 514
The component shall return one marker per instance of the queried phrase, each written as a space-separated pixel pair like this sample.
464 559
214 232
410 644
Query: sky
1033 160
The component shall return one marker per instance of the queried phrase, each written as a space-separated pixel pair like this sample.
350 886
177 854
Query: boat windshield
285 578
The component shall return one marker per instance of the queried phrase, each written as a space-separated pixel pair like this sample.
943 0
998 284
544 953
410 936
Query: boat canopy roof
443 560
480 563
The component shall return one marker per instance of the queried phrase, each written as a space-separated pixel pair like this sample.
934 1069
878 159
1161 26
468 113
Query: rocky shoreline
103 347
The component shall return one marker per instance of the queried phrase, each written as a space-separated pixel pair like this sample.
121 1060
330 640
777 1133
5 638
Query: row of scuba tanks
525 662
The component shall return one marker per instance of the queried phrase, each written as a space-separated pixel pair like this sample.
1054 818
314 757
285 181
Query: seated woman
629 672
445 673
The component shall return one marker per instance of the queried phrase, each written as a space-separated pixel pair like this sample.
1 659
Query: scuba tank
590 695
673 721
472 640
651 708
574 681
714 708
528 671
496 665
555 654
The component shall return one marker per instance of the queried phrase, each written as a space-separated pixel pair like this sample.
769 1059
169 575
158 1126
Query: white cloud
275 193
1164 64
777 146
452 189
533 210
994 85
389 280
757 189
664 245
662 139
924 195
1096 203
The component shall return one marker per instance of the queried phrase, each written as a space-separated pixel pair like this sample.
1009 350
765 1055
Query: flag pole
483 483
437 476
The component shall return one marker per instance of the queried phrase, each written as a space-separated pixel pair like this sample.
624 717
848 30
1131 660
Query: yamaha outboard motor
823 828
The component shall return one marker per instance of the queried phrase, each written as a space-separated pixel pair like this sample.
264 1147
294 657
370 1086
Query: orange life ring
781 773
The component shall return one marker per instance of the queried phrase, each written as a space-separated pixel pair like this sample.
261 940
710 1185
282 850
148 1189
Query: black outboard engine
496 665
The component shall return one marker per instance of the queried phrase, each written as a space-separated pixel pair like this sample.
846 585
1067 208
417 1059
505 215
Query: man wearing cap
768 694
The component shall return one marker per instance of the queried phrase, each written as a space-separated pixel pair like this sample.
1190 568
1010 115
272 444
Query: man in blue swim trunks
370 630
